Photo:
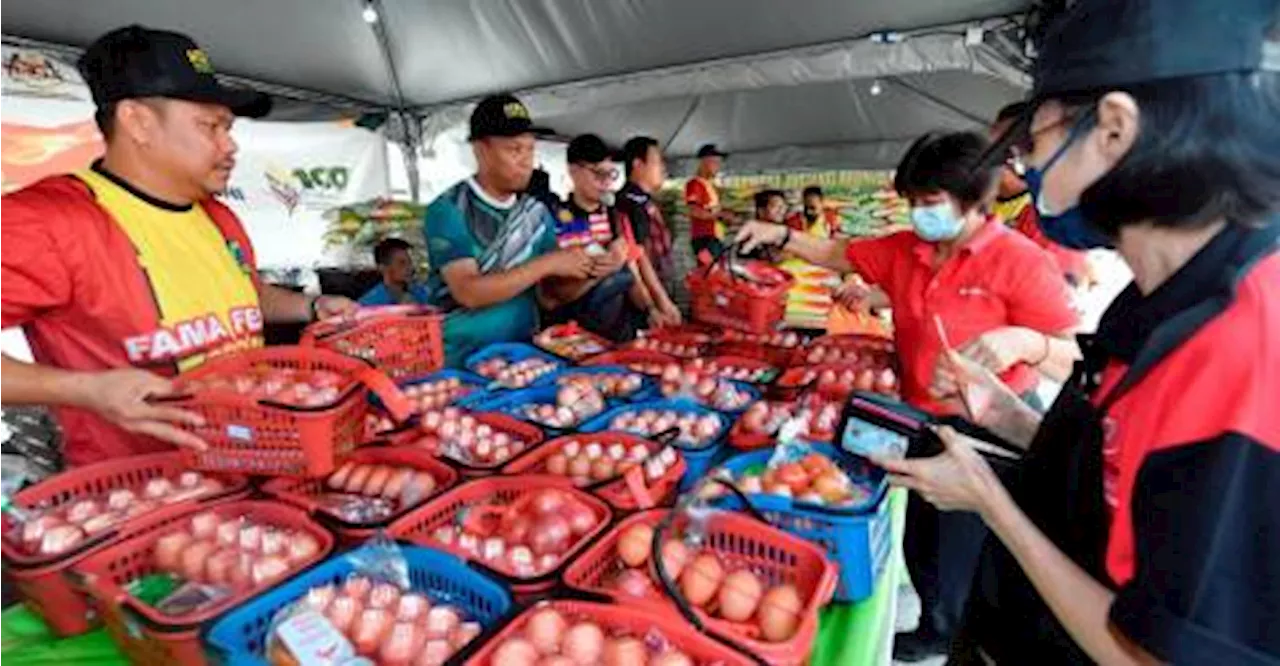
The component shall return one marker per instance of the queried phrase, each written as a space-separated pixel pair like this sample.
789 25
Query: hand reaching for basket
123 397
756 234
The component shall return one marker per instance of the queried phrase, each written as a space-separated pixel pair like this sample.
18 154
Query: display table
858 634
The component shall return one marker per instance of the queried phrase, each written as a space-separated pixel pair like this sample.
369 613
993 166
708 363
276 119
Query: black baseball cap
588 149
1110 44
136 61
710 150
503 115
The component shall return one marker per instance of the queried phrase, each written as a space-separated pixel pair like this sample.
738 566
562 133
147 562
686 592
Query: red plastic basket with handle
41 580
626 492
420 525
247 435
615 619
149 637
722 297
305 493
404 341
741 542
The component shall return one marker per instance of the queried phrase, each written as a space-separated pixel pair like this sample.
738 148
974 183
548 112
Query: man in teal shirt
492 248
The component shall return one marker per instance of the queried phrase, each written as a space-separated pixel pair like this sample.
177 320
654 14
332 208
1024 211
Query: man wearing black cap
1142 525
492 247
628 292
130 271
706 219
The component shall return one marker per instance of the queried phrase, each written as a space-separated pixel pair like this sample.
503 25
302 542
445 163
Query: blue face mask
936 223
1069 228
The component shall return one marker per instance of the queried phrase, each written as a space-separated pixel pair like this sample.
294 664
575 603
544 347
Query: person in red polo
129 271
1143 523
960 278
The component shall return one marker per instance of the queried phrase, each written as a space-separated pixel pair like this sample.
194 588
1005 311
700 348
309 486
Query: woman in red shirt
960 278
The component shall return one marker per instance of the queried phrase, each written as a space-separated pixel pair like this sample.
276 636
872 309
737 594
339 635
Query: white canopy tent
799 84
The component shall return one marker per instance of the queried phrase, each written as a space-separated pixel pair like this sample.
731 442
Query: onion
545 630
515 652
580 517
583 643
549 501
634 545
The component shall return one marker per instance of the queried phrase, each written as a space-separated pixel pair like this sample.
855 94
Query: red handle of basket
826 589
634 480
391 396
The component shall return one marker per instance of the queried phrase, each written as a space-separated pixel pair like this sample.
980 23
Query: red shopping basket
615 619
404 341
247 435
305 493
742 542
149 637
636 360
744 294
420 525
41 580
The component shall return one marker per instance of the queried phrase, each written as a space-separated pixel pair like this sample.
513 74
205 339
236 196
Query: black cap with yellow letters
135 61
503 115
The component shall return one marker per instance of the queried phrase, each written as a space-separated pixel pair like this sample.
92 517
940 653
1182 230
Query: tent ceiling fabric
769 80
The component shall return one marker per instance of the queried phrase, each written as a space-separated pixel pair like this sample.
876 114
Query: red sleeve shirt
74 280
997 279
698 194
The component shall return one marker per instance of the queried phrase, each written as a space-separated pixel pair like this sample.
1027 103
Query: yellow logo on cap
199 61
565 215
515 110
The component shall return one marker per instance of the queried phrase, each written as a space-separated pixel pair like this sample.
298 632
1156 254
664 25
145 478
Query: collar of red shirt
990 230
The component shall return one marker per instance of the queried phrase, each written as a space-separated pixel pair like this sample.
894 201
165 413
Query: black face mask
811 214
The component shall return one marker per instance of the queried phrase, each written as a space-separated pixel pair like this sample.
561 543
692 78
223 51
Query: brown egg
701 579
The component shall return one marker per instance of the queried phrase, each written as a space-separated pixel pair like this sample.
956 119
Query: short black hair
946 162
763 196
386 249
1011 112
587 149
811 191
105 117
1207 148
637 148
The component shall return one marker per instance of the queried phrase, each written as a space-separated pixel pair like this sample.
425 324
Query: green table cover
850 634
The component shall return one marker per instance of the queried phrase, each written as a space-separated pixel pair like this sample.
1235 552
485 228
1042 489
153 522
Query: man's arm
285 306
473 289
120 396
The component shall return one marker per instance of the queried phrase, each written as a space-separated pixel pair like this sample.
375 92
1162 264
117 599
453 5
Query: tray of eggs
522 528
698 427
614 382
759 425
474 442
374 486
435 391
707 388
79 508
627 471
568 633
838 380
291 387
788 340
513 365
679 346
552 406
745 580
571 341
237 547
738 368
649 363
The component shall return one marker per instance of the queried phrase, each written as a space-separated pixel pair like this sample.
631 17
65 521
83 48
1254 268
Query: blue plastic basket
858 538
513 402
698 461
512 351
648 388
240 635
